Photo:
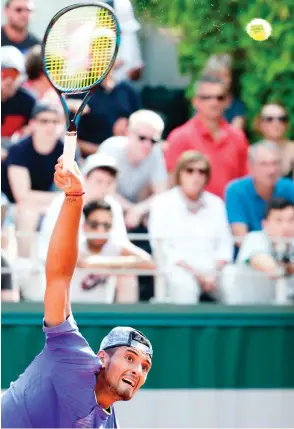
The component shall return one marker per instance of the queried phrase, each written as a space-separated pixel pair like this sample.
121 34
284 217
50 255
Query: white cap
99 160
125 15
12 58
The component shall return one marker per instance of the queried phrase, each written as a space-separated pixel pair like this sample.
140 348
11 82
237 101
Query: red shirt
227 155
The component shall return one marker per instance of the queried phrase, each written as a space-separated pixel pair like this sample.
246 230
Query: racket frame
72 124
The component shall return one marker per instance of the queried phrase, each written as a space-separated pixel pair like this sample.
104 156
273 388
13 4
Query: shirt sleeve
73 367
234 204
16 156
158 171
253 244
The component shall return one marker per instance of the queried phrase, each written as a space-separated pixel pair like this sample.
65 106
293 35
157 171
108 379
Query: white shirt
118 229
200 239
88 285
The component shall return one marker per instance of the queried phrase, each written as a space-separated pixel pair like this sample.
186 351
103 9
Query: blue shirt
57 388
244 205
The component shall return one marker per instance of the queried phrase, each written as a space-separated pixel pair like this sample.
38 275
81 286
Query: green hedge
208 27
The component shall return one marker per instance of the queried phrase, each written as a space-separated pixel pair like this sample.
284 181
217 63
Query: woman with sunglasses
272 124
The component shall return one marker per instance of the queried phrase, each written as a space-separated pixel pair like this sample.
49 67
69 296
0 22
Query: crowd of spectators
217 213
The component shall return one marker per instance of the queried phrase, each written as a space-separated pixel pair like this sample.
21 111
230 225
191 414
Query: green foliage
209 27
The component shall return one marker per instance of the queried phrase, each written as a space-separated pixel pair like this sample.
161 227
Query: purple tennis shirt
57 388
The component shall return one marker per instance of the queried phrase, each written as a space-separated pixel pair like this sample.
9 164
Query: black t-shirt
106 107
16 112
6 278
23 46
40 166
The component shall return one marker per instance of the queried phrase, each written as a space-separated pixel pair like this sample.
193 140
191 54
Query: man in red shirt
208 133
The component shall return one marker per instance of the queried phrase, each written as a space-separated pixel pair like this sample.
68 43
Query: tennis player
67 385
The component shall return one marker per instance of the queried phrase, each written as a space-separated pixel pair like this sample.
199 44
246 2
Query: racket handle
69 150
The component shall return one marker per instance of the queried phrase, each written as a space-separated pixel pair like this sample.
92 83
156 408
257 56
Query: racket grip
69 150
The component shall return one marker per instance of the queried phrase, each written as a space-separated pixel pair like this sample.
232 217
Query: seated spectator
271 251
225 146
88 285
99 173
141 164
110 107
141 175
221 67
273 124
247 198
190 233
27 174
16 103
15 31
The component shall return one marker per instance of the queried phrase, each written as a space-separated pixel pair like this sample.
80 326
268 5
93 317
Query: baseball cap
12 58
126 336
99 160
45 107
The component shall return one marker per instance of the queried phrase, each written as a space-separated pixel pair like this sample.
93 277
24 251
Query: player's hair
263 144
146 117
34 64
186 159
258 118
92 206
208 78
277 204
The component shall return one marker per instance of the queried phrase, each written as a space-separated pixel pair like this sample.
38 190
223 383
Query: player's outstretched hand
68 181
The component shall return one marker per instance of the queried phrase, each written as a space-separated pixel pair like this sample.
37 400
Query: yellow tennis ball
259 29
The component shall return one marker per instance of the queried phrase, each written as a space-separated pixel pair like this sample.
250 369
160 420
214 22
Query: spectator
190 233
100 173
141 175
110 107
272 124
271 250
8 294
221 67
105 253
246 198
129 60
15 31
27 172
141 164
225 146
16 103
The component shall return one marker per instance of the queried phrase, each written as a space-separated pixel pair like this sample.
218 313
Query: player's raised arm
63 247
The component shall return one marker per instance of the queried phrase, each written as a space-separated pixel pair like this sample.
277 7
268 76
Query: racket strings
80 47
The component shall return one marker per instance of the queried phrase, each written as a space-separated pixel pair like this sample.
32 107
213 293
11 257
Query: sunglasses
283 118
94 224
23 9
212 97
48 121
202 171
11 73
144 138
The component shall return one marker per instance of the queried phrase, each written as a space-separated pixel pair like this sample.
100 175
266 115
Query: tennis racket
78 51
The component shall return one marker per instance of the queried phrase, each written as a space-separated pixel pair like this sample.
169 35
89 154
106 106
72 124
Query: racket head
80 46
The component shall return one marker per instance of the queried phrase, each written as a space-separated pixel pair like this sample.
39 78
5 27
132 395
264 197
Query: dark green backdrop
194 347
